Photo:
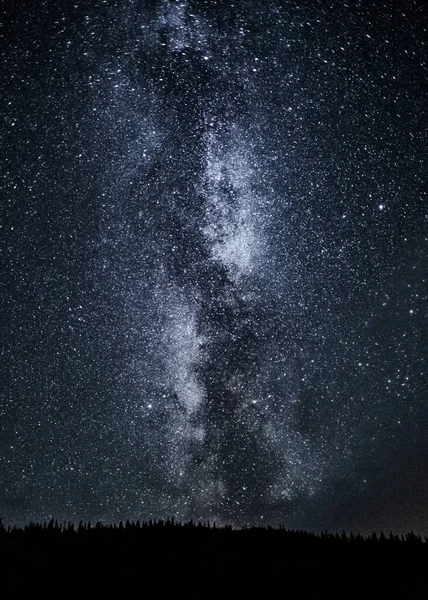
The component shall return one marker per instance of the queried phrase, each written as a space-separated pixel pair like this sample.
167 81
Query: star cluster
214 241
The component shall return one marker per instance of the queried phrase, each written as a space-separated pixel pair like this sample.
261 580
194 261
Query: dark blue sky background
214 241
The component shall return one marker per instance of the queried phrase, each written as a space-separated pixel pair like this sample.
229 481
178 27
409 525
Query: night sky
214 262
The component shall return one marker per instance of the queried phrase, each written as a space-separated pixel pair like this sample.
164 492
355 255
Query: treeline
203 560
83 528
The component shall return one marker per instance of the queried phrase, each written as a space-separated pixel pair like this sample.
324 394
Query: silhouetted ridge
206 560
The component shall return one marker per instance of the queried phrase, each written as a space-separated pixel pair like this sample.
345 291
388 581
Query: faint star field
214 243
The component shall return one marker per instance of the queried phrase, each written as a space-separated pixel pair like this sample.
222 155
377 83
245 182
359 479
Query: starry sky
214 262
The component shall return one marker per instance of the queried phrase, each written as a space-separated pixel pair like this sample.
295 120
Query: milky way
214 262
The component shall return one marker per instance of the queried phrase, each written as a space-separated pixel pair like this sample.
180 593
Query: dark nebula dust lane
214 242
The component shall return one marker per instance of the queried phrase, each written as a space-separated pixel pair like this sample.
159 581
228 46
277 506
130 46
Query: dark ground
160 559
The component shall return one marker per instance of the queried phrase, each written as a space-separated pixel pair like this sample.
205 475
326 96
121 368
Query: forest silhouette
163 558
